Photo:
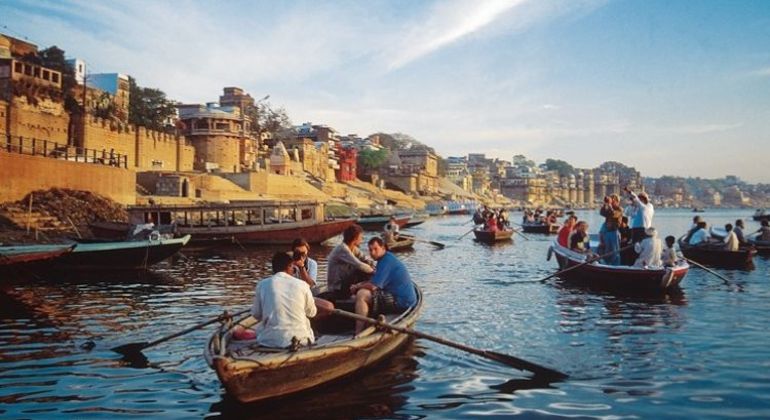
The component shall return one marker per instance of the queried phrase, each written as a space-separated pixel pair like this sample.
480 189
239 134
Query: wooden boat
761 215
492 237
252 373
762 247
717 256
402 244
536 227
621 277
377 222
259 223
122 255
26 257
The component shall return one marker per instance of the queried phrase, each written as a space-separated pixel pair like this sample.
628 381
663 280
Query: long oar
520 233
498 357
133 349
699 265
466 233
588 261
438 245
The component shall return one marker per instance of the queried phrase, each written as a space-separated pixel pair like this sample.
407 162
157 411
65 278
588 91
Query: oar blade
438 245
130 349
525 365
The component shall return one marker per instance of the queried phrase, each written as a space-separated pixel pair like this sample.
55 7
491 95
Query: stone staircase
37 221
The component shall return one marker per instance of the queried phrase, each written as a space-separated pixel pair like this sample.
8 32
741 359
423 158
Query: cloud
763 72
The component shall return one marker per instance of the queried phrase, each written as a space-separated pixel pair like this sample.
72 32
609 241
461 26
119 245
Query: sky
673 87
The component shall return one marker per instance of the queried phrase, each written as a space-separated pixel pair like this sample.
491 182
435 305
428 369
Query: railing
51 149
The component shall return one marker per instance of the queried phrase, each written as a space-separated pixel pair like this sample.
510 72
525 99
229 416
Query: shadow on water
376 392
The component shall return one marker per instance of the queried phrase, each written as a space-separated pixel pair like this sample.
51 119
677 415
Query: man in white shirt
731 240
649 250
642 217
701 236
283 305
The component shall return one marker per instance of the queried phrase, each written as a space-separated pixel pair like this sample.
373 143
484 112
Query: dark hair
764 223
281 262
624 219
670 239
378 240
739 222
702 224
350 233
299 242
728 227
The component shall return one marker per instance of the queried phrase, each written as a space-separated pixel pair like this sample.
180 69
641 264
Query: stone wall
110 136
22 174
45 120
157 151
224 150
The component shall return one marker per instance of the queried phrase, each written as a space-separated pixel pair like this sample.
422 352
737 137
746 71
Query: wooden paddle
438 245
699 265
498 357
466 233
520 233
134 349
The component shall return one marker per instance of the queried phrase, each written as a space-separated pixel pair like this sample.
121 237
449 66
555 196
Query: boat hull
618 277
286 372
543 228
269 234
377 223
403 244
13 256
719 257
762 247
126 255
492 237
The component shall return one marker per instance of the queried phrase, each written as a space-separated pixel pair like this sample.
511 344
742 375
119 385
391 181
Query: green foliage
564 168
400 141
372 159
266 119
148 107
54 58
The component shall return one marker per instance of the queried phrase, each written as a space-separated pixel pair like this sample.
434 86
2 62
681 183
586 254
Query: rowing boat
492 237
537 227
253 373
716 255
620 277
402 244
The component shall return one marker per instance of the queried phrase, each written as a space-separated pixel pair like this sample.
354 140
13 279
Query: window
46 75
28 70
18 67
36 71
55 77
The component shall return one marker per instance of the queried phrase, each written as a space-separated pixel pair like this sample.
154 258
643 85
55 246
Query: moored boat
537 227
716 255
760 215
252 373
120 255
377 222
492 237
30 257
621 277
257 223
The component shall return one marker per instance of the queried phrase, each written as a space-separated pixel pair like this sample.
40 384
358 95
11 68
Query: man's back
392 276
283 304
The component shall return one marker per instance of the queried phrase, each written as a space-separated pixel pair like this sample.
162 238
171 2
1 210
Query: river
696 353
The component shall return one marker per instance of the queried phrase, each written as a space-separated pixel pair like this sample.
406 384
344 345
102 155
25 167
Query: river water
696 353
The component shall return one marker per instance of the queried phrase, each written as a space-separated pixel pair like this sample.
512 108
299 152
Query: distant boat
121 255
697 210
538 227
402 244
257 223
416 219
761 215
377 222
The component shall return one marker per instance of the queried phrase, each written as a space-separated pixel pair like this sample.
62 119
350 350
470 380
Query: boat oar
134 349
498 357
699 265
438 245
520 233
587 261
466 233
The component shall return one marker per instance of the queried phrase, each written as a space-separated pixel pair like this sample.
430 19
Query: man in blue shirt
391 289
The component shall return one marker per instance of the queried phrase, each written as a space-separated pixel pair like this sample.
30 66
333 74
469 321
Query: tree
372 159
148 107
564 168
266 119
54 58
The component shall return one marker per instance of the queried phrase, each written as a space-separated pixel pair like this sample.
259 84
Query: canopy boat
715 254
540 227
416 219
259 223
377 222
621 277
492 237
122 255
29 256
253 373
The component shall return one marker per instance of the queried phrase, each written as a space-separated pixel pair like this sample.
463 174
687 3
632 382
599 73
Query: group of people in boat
735 235
378 283
626 237
491 220
550 217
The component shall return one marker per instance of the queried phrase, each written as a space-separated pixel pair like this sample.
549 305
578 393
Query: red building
347 158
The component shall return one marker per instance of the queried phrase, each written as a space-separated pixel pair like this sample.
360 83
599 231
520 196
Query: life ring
154 235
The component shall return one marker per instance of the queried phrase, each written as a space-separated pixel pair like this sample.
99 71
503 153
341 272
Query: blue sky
670 87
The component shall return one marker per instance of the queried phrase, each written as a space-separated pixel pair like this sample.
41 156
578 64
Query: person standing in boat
391 289
731 239
306 268
610 231
347 264
391 230
642 217
283 306
649 250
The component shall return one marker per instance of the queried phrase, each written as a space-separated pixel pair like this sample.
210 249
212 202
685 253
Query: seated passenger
391 230
738 229
347 264
306 268
491 225
579 241
391 289
764 231
283 306
649 250
700 236
669 257
731 240
564 232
